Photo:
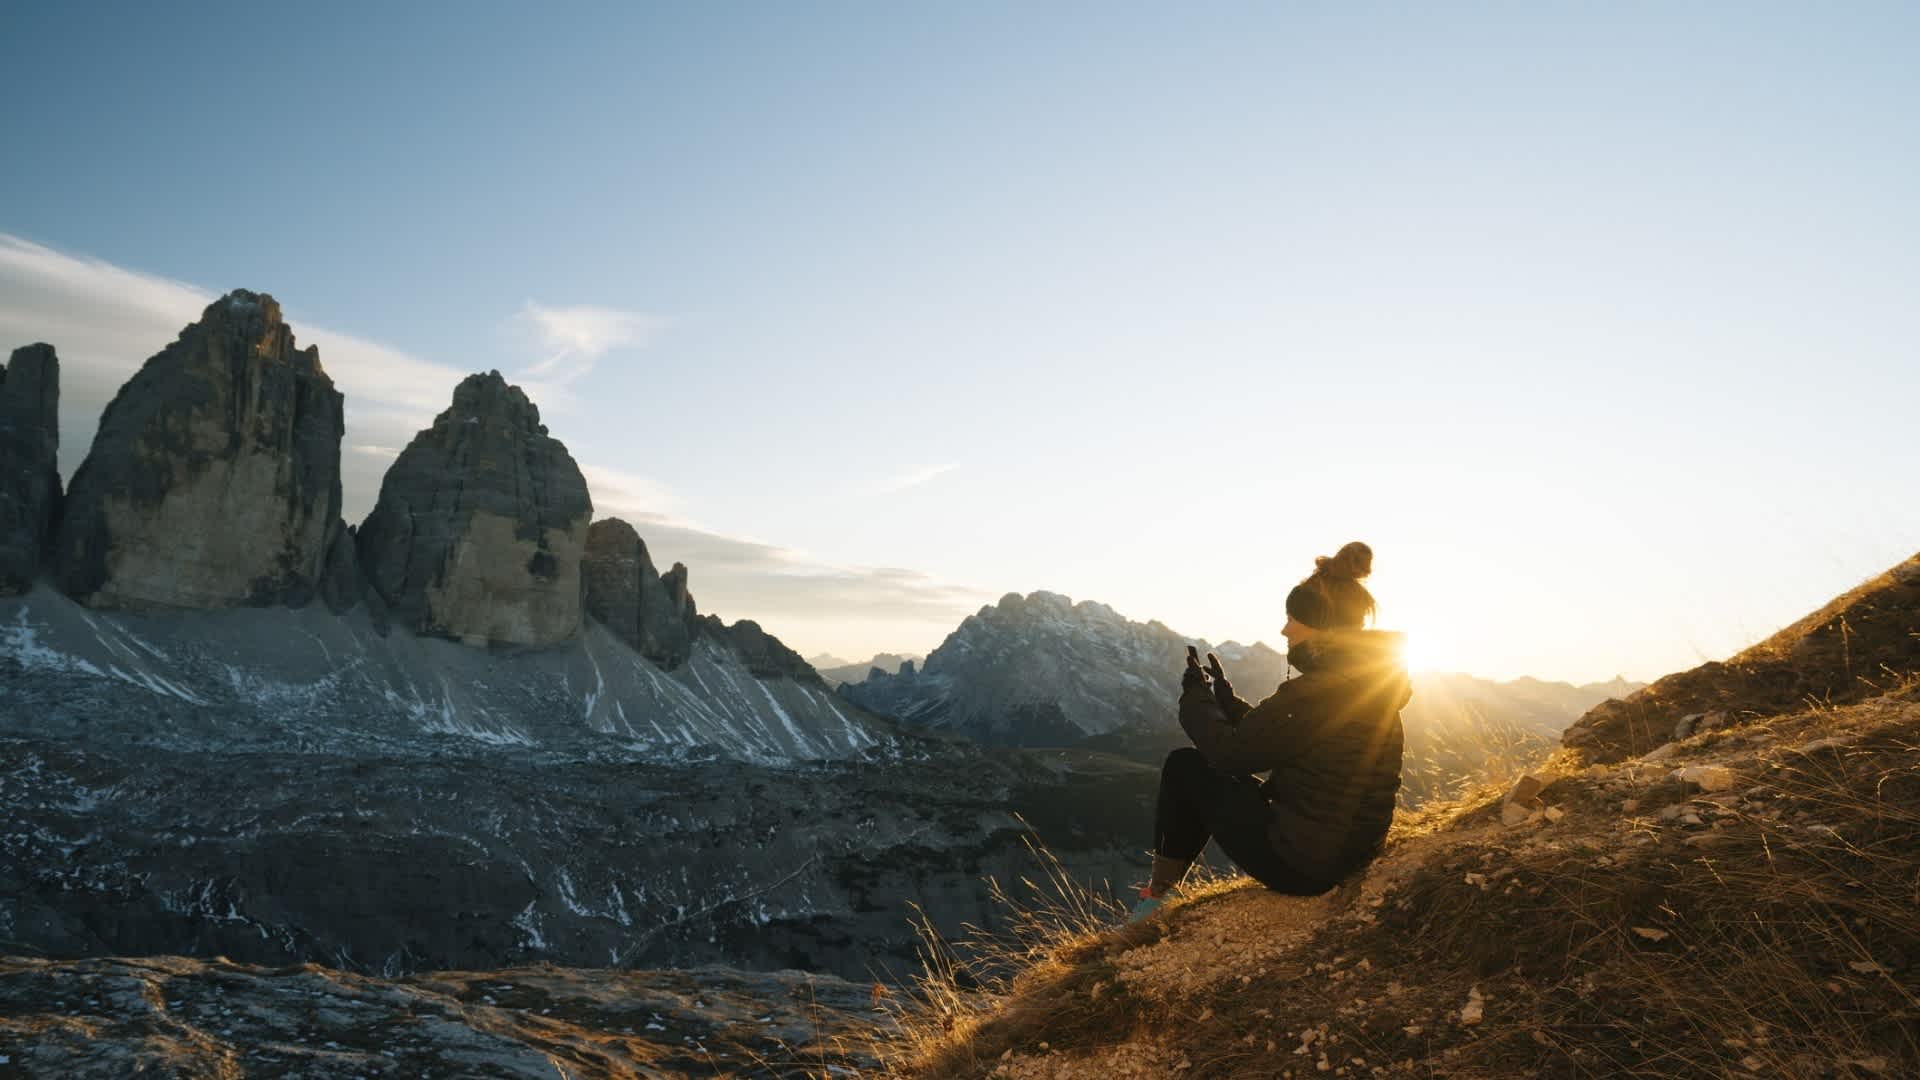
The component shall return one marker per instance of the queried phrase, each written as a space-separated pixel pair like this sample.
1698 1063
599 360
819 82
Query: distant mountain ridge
1042 670
838 670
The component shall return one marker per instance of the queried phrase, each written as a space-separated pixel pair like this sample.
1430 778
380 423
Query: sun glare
1419 652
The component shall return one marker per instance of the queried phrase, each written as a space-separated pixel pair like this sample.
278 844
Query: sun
1422 652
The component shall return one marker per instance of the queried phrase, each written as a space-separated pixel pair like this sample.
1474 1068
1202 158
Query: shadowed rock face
480 525
627 595
214 480
341 587
29 476
656 614
764 654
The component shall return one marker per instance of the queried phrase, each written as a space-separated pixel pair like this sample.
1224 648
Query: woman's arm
1259 738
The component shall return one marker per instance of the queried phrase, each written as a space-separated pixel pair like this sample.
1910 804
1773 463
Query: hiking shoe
1145 907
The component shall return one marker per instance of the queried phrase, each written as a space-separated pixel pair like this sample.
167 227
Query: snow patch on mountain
258 670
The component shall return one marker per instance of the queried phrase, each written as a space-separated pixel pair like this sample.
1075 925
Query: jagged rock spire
480 525
629 597
214 480
29 472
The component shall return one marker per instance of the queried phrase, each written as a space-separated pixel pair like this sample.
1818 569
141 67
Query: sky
1596 321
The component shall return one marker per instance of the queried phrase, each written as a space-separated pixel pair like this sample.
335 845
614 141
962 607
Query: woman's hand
1222 689
1194 675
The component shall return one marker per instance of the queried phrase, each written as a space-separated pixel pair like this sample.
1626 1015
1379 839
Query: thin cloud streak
913 478
630 495
741 578
574 338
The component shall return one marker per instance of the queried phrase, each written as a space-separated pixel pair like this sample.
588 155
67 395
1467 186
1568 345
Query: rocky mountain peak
31 382
214 478
481 524
254 318
656 615
1041 670
616 538
627 595
766 656
489 396
29 475
1041 604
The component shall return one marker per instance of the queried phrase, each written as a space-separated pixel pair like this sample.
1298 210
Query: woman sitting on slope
1330 741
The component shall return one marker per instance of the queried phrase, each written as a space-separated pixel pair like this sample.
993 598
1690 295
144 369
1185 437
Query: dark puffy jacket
1330 737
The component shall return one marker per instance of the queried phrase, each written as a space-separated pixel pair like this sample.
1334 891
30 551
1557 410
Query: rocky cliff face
480 525
29 473
214 480
627 595
765 655
657 616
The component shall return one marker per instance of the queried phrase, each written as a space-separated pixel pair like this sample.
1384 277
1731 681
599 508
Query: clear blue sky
1598 321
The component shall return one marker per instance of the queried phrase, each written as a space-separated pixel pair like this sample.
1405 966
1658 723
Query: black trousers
1199 802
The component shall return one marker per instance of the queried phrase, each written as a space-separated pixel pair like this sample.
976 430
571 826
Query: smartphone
1193 656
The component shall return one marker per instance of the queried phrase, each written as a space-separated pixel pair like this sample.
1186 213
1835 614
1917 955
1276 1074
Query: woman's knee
1185 762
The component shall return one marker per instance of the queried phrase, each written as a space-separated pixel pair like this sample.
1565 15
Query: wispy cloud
913 478
742 578
739 577
573 339
619 493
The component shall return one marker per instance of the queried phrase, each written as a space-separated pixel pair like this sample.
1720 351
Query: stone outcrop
29 473
655 613
480 525
341 586
764 654
629 597
214 480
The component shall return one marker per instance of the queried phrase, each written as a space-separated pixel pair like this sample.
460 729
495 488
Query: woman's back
1334 796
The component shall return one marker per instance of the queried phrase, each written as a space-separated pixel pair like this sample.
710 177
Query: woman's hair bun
1352 562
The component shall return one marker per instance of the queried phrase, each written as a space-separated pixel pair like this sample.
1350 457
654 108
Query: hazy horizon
1596 323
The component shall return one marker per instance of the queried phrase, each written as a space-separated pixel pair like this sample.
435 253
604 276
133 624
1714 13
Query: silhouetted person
1329 739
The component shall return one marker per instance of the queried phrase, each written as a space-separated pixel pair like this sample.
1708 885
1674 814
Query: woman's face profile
1296 631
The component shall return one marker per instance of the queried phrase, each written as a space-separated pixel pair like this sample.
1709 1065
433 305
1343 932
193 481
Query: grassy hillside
1744 901
1859 645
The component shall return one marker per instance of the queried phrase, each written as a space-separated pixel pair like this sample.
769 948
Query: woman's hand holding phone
1194 675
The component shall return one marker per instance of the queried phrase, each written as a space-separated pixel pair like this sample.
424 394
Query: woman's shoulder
1346 648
